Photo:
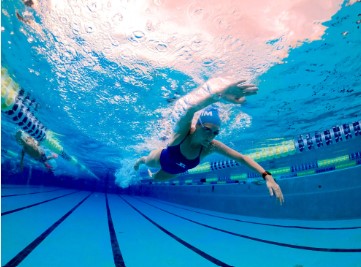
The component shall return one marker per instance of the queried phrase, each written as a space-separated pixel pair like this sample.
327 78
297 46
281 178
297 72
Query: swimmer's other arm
209 93
273 187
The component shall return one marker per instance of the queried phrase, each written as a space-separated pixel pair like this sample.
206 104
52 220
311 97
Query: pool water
99 80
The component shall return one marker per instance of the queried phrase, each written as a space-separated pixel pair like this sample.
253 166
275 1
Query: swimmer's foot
150 174
138 163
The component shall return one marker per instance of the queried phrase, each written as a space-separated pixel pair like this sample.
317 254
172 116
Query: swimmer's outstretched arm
273 187
210 92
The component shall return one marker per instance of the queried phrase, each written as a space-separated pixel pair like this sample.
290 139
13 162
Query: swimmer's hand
231 92
274 189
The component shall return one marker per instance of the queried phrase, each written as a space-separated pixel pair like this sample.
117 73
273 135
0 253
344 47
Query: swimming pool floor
44 226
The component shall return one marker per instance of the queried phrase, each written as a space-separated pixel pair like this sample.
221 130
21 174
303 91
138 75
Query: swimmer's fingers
242 90
275 189
279 195
245 85
248 88
235 100
234 93
238 97
239 83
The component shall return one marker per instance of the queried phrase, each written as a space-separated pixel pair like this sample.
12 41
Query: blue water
107 89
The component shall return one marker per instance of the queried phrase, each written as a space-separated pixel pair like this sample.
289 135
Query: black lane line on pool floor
28 249
184 243
36 204
32 193
117 255
258 223
259 239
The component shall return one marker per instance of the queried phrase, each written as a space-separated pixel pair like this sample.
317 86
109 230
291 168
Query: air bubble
196 12
208 62
76 28
92 7
138 34
197 45
117 18
161 47
106 26
89 29
114 42
64 20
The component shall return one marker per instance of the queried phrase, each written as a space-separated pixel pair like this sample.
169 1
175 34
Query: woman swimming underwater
191 143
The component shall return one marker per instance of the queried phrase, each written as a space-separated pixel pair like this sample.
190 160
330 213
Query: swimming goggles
207 129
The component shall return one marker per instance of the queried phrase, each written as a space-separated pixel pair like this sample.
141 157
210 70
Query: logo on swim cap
210 115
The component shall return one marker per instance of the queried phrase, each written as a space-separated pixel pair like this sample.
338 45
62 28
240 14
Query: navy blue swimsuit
172 160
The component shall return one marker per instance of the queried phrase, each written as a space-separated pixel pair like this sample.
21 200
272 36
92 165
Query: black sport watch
265 174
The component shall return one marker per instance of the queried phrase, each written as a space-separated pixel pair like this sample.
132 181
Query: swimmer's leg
139 162
152 160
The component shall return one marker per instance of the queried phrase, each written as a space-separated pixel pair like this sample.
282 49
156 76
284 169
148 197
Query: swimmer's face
208 132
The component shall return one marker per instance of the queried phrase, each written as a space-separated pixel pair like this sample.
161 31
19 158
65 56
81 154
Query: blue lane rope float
336 134
17 105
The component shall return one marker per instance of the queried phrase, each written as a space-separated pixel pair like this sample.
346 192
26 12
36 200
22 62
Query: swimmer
191 143
33 149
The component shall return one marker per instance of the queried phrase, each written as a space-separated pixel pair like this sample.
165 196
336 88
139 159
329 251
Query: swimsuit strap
184 138
200 152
